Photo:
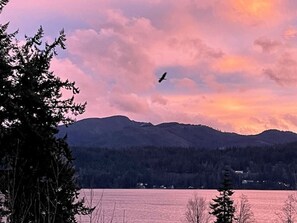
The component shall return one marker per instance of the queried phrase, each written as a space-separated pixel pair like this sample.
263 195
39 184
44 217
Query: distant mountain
121 132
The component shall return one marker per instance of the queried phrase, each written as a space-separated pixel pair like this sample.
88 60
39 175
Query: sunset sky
231 64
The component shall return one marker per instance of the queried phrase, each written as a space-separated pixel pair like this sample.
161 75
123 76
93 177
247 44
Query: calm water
162 206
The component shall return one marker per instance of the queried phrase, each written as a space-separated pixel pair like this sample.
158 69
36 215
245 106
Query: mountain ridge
121 132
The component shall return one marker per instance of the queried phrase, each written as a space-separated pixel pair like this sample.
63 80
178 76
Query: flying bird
163 77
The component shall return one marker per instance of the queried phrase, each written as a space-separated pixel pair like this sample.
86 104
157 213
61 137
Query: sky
231 64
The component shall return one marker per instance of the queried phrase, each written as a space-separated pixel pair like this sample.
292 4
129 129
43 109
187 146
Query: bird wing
163 77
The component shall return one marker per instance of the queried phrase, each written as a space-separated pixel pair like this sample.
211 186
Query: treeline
251 167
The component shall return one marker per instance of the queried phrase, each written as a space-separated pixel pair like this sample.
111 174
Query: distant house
140 185
247 182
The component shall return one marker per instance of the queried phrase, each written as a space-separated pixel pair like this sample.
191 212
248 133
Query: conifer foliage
37 177
222 206
2 4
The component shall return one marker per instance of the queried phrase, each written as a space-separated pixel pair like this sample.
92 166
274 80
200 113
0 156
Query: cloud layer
231 64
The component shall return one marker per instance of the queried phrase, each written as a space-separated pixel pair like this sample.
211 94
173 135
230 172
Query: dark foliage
251 168
37 175
2 4
222 206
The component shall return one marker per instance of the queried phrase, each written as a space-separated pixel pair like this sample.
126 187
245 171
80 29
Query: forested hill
121 132
116 152
251 168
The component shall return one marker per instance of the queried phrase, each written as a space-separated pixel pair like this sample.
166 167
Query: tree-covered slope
273 167
121 132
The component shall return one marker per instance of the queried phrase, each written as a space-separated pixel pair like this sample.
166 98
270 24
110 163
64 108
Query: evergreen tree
2 4
37 174
222 206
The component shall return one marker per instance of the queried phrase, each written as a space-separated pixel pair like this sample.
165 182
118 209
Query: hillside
265 167
121 132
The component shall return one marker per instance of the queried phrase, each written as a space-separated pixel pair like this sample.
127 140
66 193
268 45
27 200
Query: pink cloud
211 82
253 12
130 103
291 118
290 33
251 111
118 52
267 44
159 99
127 51
92 90
114 58
235 63
284 72
185 83
89 86
65 7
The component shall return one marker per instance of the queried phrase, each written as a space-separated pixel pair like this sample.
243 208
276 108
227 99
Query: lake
164 206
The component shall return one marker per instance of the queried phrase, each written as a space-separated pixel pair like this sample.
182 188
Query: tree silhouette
37 175
2 4
244 213
288 213
197 210
222 206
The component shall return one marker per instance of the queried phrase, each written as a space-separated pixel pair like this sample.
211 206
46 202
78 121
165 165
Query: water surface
164 206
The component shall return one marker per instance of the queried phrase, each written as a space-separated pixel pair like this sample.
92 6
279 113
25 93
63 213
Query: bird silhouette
163 77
